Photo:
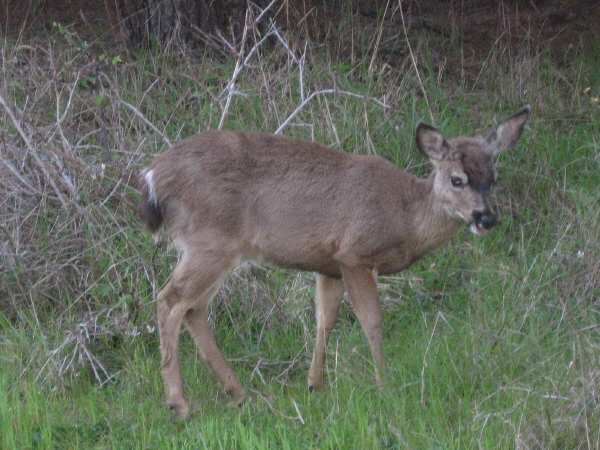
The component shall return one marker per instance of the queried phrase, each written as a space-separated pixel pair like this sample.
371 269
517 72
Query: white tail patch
150 185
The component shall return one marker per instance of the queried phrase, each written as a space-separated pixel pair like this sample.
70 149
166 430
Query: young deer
229 196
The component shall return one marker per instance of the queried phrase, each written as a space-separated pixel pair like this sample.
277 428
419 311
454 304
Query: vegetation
492 342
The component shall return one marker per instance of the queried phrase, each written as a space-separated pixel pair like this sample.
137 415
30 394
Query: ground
479 24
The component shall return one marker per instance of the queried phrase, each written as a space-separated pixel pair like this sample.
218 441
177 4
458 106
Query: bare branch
325 91
36 157
141 116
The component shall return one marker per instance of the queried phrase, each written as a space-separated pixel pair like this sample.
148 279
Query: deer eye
456 181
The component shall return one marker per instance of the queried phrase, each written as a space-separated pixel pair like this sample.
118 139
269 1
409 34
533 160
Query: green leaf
101 100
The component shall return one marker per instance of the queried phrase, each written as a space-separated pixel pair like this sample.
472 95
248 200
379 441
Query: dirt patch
478 25
30 18
561 24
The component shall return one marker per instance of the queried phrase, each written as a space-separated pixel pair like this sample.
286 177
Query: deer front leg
361 284
328 298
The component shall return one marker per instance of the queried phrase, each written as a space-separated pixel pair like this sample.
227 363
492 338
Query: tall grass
492 343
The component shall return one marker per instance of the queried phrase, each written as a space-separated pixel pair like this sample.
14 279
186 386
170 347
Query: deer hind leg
328 299
171 309
197 325
194 282
361 284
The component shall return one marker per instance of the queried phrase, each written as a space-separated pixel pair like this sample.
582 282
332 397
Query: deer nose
485 219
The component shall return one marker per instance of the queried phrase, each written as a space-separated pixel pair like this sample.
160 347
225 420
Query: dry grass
81 121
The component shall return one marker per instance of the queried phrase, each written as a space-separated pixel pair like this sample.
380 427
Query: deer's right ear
431 142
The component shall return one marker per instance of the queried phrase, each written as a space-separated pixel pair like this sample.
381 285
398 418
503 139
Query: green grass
454 382
491 342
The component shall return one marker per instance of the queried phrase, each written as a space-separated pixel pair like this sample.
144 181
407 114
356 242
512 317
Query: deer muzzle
482 221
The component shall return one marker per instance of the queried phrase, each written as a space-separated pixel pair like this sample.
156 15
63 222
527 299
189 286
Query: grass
491 343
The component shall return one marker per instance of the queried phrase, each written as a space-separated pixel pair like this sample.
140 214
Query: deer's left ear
505 135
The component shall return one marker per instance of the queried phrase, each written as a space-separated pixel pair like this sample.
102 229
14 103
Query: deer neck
432 224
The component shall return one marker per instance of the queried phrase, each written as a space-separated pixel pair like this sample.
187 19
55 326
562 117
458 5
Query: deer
227 197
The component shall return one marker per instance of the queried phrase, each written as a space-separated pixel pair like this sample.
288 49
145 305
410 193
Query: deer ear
431 142
505 135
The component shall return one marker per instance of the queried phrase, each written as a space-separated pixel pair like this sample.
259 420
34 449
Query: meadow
491 342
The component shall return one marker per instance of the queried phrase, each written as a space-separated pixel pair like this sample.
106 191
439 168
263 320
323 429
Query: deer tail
150 210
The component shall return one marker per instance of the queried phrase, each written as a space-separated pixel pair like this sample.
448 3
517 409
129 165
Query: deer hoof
238 396
181 410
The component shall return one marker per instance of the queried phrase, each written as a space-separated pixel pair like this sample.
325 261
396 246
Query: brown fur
229 196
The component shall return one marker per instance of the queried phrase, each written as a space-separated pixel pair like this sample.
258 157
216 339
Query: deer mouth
477 228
